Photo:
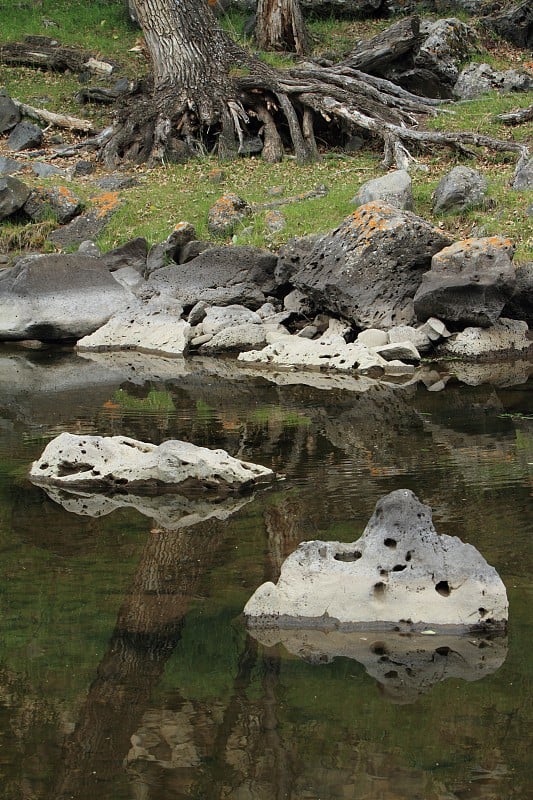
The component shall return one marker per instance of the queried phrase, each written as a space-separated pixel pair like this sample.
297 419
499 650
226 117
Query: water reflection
404 665
167 511
125 670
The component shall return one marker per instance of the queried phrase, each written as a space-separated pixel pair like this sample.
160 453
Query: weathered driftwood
379 52
46 53
517 117
57 120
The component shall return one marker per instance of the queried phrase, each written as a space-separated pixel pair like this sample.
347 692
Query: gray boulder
87 225
478 79
153 327
240 338
368 270
168 252
447 42
523 178
520 305
44 170
52 297
395 188
9 113
229 211
13 195
219 276
25 136
56 201
513 22
400 573
114 463
9 166
131 254
461 188
468 283
291 255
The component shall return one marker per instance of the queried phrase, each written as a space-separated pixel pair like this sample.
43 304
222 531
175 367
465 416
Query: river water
126 671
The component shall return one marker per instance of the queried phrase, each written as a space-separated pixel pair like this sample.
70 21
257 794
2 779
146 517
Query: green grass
99 26
174 193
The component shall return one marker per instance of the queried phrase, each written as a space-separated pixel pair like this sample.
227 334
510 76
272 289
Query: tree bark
211 94
280 26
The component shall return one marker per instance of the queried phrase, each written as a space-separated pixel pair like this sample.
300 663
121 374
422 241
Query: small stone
309 332
25 136
401 351
373 337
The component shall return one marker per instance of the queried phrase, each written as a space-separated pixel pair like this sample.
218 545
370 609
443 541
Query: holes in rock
482 612
383 573
443 651
348 556
378 648
409 555
69 468
391 674
399 567
379 589
443 588
390 543
44 466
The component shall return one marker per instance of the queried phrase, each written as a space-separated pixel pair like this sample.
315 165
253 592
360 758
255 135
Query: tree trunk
208 93
280 26
192 89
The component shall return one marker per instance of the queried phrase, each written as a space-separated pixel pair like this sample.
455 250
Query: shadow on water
126 671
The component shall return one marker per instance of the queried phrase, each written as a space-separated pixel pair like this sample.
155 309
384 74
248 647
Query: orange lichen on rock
370 219
106 203
471 245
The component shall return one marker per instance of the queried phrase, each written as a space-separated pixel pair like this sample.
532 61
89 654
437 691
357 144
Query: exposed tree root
287 108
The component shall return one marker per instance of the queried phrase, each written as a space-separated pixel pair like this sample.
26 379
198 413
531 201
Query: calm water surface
126 672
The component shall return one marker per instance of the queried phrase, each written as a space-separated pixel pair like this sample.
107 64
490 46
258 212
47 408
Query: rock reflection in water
168 511
405 665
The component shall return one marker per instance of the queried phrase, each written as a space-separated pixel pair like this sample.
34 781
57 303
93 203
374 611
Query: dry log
46 53
517 117
379 52
57 120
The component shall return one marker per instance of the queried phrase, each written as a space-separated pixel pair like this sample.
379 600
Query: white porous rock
505 336
237 337
327 352
435 329
151 328
108 463
218 318
406 333
373 337
400 573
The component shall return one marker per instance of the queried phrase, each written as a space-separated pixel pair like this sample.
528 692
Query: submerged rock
118 463
399 575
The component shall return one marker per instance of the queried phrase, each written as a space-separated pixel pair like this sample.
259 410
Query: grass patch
99 26
174 193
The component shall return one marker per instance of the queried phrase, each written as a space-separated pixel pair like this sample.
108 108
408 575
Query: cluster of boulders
377 294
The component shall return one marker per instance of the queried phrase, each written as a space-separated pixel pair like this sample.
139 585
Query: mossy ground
172 193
